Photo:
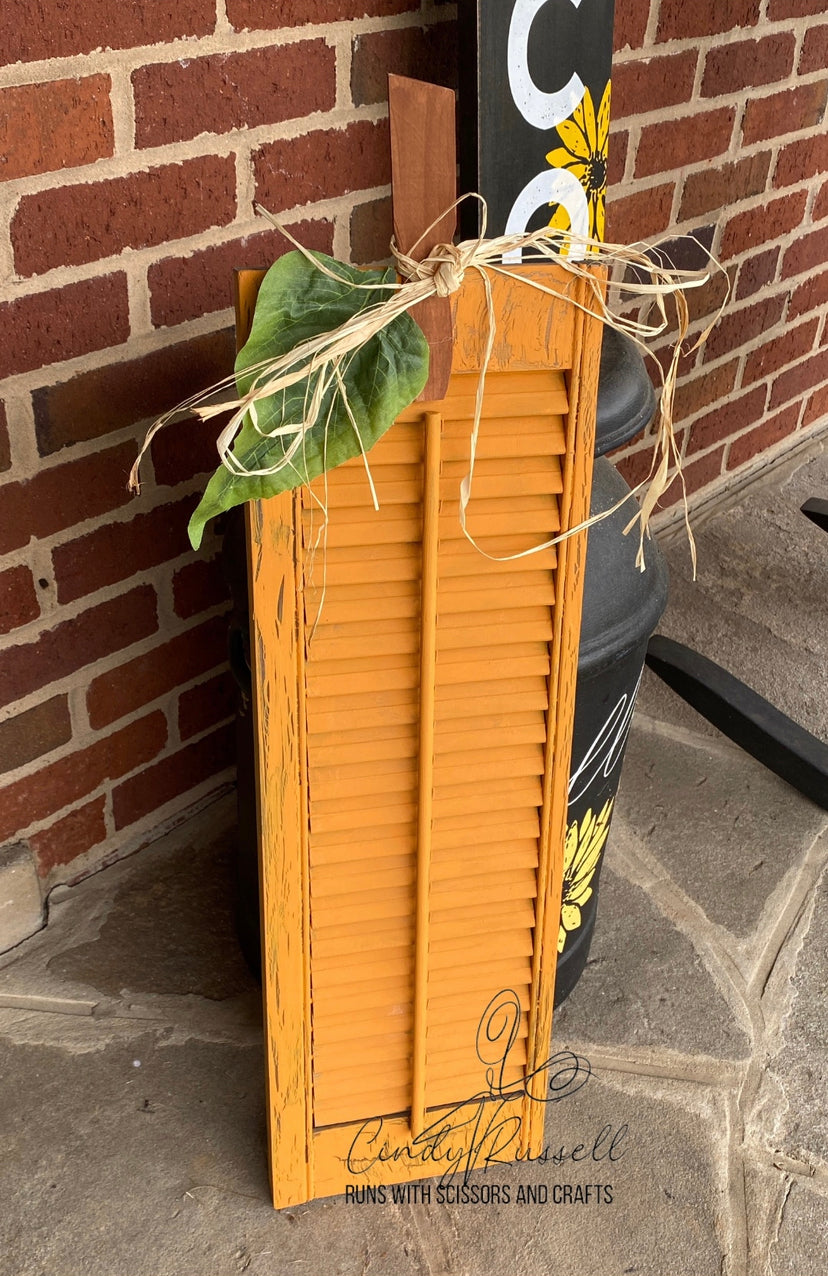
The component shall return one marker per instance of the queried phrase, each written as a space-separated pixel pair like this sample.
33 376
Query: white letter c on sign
541 110
552 186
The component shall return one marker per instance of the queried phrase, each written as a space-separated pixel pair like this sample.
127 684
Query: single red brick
77 643
634 463
785 112
704 388
756 272
176 101
706 301
794 383
419 52
780 349
814 55
816 408
371 229
679 20
687 252
322 164
69 837
206 705
259 15
675 143
185 450
728 418
34 732
730 68
619 143
640 216
696 476
714 188
742 327
635 467
183 288
691 251
71 225
820 208
62 495
53 787
771 220
120 691
62 124
64 323
53 29
5 445
172 777
802 159
762 436
809 252
18 600
662 355
117 550
653 83
630 24
809 296
96 403
795 9
198 587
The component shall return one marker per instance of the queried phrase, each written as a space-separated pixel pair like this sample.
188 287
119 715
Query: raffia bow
445 266
441 274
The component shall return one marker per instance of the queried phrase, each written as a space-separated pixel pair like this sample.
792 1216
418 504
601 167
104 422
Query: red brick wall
133 142
718 128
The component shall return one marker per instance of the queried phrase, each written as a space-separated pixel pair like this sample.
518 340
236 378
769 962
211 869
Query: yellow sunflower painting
582 851
585 138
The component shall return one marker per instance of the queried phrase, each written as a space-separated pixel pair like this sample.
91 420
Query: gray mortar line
788 919
705 1071
644 870
780 1216
47 1005
760 1219
798 1169
175 1032
773 1005
735 1191
685 735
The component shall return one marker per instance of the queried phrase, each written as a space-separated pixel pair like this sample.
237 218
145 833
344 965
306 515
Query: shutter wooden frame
535 333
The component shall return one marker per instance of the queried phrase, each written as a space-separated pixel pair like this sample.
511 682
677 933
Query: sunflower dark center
596 171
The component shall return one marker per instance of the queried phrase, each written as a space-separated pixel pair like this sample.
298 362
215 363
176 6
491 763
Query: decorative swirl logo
485 1129
497 1032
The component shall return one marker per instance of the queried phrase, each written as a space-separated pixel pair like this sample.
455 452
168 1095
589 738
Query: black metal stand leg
817 511
750 721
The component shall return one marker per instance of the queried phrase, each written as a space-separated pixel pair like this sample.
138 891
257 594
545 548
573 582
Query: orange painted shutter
414 705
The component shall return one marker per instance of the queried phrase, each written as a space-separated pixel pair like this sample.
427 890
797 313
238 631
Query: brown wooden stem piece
423 186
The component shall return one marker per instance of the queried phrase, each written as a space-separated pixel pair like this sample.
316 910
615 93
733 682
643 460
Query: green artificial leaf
297 302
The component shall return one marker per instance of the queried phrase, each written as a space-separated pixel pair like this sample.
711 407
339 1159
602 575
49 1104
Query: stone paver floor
132 1122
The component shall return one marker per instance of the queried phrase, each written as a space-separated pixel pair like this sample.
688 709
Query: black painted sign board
534 112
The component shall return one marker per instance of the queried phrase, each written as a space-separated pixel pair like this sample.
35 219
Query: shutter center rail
432 425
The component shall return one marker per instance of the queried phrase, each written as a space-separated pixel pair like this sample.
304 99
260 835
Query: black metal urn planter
621 608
